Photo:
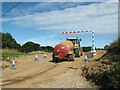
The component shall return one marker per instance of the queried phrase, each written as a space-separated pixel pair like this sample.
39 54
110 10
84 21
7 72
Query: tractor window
77 42
74 41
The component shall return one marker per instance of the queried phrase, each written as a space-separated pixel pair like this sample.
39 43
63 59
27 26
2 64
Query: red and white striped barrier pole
93 46
61 37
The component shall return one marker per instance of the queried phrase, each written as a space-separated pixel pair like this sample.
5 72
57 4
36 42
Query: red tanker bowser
67 49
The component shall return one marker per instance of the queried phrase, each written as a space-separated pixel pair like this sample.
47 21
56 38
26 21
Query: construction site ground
44 73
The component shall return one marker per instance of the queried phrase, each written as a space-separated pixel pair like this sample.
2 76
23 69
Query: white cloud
41 7
102 18
112 1
54 0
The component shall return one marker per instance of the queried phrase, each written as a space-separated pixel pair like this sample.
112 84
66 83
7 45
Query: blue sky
42 22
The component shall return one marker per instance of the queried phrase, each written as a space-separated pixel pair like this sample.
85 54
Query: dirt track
45 74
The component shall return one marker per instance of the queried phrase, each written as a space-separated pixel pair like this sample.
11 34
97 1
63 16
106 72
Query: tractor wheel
81 54
77 53
71 57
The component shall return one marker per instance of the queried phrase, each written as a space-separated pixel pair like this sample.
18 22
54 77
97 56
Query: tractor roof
72 38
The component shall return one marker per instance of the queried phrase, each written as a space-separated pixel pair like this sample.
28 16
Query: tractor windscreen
74 41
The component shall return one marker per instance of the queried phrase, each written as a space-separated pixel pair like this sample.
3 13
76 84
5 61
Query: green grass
12 53
92 85
3 67
0 59
7 54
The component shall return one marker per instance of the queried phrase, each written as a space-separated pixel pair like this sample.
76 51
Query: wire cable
11 8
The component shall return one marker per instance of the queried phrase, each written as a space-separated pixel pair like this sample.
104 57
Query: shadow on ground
61 60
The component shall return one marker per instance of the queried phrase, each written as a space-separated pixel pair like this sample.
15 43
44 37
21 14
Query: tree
47 48
9 42
30 46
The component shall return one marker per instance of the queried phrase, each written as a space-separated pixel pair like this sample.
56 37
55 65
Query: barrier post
86 60
13 64
36 57
44 55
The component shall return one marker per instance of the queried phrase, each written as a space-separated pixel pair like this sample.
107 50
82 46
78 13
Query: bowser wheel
71 57
77 53
53 57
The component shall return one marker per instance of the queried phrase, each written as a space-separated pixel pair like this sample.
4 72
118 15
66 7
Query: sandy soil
45 74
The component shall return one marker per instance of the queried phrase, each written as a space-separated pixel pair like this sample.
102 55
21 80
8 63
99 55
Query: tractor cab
75 41
77 49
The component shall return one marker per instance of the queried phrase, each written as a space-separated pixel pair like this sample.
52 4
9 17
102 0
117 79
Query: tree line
8 42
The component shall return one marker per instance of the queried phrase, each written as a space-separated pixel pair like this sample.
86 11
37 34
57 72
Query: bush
114 58
86 49
114 47
109 78
106 47
47 49
30 46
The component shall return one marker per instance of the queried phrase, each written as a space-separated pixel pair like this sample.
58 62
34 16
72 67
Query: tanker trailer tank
63 50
